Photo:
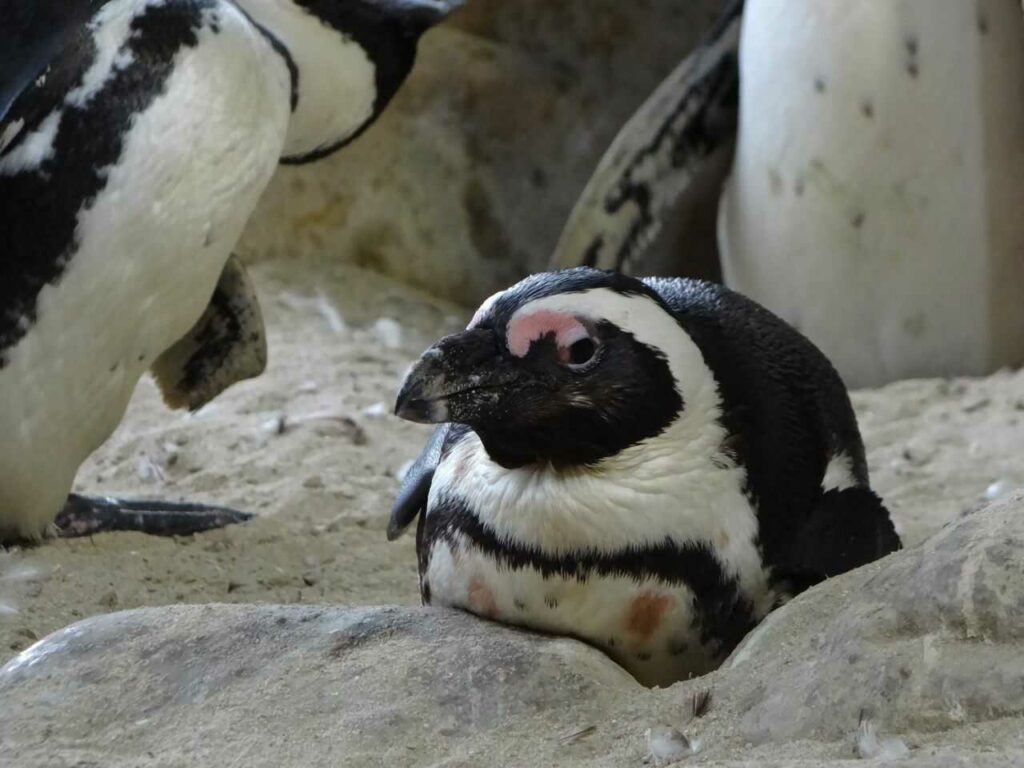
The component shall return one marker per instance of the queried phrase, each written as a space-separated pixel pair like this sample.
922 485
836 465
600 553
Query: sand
311 448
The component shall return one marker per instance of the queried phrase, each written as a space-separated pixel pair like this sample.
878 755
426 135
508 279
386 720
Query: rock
915 659
294 686
466 181
925 640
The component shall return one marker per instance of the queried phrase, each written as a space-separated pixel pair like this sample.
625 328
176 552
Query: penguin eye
582 352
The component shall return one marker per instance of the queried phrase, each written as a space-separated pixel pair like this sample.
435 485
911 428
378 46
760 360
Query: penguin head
567 368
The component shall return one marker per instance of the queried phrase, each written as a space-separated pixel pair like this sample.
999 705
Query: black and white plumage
649 465
136 137
856 154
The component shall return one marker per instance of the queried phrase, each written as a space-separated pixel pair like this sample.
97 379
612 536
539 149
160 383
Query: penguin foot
86 515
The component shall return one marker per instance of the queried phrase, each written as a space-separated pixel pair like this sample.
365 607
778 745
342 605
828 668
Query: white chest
660 617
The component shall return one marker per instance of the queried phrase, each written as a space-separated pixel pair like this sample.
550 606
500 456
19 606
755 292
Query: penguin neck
678 485
333 76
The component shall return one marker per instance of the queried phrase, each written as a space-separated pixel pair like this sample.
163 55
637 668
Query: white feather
839 474
34 149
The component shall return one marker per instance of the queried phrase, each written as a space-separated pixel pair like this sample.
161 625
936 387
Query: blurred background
465 183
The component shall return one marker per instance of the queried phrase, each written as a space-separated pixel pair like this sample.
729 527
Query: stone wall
466 181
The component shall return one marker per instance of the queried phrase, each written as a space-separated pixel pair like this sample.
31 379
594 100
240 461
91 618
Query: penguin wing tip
395 530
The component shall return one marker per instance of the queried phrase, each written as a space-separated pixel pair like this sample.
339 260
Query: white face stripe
484 309
645 319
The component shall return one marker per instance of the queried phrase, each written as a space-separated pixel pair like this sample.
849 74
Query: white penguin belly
654 625
879 177
151 247
646 625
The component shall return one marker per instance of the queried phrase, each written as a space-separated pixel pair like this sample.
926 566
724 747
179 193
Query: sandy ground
312 448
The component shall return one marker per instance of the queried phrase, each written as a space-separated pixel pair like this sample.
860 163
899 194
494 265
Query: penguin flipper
658 155
86 515
412 498
849 528
227 345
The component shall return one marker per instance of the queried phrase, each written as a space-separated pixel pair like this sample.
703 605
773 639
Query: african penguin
875 193
136 137
647 465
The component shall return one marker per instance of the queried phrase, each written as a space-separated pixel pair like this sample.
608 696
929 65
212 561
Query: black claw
86 515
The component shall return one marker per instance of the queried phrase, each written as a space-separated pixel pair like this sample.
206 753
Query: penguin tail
86 515
849 528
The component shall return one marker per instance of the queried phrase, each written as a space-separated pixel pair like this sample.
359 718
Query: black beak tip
421 411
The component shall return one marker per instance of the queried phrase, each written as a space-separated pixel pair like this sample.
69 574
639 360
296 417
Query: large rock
928 644
927 640
465 183
279 686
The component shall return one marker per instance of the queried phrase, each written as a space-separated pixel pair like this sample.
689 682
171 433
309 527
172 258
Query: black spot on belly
677 646
857 219
519 605
867 108
41 205
982 23
819 84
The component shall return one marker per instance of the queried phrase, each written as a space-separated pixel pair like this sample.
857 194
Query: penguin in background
866 161
136 137
650 466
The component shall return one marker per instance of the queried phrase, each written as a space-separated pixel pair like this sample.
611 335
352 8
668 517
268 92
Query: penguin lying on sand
135 139
648 465
877 163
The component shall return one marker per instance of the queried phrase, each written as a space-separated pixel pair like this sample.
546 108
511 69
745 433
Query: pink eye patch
525 329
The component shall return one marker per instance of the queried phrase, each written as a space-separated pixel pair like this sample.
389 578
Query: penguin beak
458 379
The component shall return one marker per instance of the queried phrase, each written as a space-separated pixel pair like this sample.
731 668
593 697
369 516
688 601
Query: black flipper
850 528
86 515
412 499
659 155
228 344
